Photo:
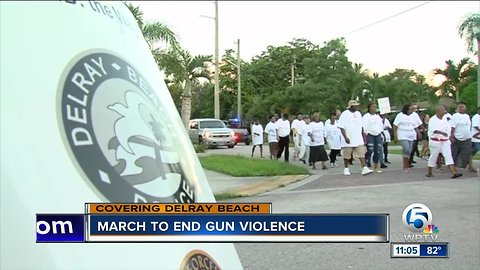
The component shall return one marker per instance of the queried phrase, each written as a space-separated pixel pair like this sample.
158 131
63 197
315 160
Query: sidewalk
249 186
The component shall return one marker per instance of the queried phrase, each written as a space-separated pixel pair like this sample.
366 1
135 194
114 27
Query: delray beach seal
199 259
118 132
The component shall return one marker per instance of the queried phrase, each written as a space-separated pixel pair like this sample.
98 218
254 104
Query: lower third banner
238 228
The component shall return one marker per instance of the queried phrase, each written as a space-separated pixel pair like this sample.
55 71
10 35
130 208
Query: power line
387 18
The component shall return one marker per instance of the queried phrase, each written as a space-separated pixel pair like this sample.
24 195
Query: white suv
211 132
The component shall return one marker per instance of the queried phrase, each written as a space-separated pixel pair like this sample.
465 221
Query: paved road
455 204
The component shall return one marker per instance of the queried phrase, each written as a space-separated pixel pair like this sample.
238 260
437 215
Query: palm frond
466 30
157 31
136 12
200 61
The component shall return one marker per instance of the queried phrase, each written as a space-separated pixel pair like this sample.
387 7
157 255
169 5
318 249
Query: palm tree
468 30
456 76
186 71
153 32
376 85
357 81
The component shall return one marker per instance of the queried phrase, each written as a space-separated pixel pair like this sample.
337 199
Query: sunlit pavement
455 204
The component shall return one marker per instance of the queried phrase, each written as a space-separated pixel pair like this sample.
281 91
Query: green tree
229 84
469 96
331 70
188 72
266 78
323 97
405 86
357 81
469 29
376 87
202 101
456 77
423 91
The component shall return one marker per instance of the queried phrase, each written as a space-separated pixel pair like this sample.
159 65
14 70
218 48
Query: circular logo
119 133
199 259
416 217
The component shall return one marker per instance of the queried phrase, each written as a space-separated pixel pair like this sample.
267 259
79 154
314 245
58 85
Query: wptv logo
418 219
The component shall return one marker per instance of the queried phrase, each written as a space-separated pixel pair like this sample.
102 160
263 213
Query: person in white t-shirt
257 137
334 138
317 148
350 124
439 132
337 116
415 142
296 126
271 130
283 125
440 160
373 128
304 140
328 121
461 136
475 136
405 130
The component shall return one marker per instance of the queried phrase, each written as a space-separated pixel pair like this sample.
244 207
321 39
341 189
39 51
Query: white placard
384 105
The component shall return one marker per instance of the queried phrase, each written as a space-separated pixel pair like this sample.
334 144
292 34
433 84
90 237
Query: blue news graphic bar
345 225
434 250
60 228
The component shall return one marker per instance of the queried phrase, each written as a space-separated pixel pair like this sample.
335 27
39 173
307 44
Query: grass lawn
399 152
243 166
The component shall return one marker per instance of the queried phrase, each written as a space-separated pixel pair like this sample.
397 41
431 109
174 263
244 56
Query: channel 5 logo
416 217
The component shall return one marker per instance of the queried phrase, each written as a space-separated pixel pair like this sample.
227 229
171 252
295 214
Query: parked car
211 132
241 130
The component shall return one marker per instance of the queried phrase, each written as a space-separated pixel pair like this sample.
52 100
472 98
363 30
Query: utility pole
216 93
239 82
216 100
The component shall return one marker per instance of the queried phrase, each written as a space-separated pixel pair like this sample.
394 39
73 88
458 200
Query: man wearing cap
350 124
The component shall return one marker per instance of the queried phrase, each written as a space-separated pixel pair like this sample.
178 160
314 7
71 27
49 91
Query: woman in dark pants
387 128
373 128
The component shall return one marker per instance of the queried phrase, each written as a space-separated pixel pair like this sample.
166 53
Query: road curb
266 185
294 185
